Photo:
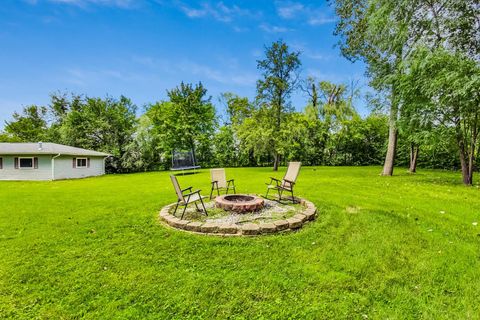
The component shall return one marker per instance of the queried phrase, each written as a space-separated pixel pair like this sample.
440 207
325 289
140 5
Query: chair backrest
292 171
177 188
219 175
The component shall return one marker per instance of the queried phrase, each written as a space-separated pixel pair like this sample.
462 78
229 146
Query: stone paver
300 216
294 223
194 226
281 224
310 213
250 229
267 227
227 228
181 224
209 227
171 220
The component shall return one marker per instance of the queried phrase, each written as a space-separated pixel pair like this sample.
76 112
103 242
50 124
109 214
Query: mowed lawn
402 247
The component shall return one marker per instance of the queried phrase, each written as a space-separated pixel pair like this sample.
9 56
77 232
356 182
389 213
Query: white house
48 161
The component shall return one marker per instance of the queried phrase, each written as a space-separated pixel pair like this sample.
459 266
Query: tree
280 72
101 124
384 33
187 121
227 142
330 104
237 108
143 152
376 31
450 83
29 126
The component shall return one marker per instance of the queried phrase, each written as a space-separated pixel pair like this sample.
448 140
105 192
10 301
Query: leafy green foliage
101 124
448 85
30 126
185 122
279 78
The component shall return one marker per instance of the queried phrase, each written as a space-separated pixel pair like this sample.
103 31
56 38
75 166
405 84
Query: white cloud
84 3
320 20
84 77
309 53
273 29
240 29
229 77
289 10
314 16
229 72
220 11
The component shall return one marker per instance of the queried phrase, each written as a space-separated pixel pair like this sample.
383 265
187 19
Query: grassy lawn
400 248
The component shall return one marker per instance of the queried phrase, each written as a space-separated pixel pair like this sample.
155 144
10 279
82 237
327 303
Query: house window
1 163
81 162
26 163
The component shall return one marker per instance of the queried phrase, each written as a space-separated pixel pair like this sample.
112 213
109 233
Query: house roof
46 148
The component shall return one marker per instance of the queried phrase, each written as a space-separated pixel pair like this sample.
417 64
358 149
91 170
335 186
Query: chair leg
203 205
175 211
184 209
211 193
196 205
234 191
268 190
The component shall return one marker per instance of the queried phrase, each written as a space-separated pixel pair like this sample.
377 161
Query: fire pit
239 203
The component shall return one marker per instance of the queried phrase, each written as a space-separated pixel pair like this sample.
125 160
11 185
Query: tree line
422 60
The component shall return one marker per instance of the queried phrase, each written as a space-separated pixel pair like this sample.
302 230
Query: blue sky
141 48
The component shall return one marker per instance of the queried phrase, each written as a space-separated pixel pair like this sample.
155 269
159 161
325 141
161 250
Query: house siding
63 168
8 171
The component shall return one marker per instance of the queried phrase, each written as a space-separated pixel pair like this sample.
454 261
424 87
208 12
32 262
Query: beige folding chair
288 181
184 199
220 182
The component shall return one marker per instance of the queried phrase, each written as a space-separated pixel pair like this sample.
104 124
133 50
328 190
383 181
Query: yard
399 247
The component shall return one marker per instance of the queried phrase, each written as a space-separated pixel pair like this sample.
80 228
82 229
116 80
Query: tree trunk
414 150
467 170
466 173
276 160
392 142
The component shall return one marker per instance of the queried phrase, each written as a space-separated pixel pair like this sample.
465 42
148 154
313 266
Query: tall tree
280 74
450 82
101 124
29 126
375 31
187 121
384 33
237 108
228 145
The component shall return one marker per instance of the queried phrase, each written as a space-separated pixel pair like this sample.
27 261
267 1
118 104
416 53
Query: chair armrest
192 193
189 188
277 182
291 182
213 182
231 180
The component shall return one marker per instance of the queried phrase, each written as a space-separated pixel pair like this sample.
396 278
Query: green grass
403 247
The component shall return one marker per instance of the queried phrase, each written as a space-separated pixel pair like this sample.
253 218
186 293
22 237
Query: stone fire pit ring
239 203
249 229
